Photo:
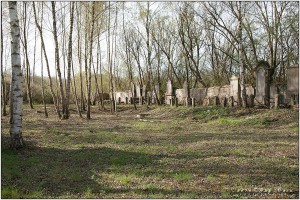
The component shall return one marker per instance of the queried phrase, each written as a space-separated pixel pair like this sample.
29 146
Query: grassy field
171 153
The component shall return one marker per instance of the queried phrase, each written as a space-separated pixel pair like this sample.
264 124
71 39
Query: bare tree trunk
75 92
86 58
242 72
128 60
57 60
2 74
16 83
67 114
96 73
63 52
114 44
88 114
42 73
34 59
47 62
82 98
26 57
110 64
42 83
101 78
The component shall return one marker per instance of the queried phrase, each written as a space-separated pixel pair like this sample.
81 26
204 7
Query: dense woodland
73 51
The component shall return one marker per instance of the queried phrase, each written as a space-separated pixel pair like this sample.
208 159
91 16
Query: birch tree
62 94
242 72
3 84
47 62
16 83
67 114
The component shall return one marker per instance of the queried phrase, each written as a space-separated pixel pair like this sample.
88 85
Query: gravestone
262 95
169 92
138 90
293 84
235 91
185 90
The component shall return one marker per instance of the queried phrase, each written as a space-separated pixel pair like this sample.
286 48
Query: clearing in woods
179 152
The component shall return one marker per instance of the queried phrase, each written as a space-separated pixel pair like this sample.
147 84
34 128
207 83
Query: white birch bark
17 79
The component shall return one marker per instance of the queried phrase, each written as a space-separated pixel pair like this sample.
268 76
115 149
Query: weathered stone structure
121 96
265 94
262 96
235 90
292 94
169 96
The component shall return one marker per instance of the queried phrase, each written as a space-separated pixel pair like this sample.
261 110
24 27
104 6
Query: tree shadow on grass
43 172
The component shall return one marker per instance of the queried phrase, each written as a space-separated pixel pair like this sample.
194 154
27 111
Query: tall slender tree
54 97
67 113
88 114
27 64
3 84
42 69
61 88
16 82
242 71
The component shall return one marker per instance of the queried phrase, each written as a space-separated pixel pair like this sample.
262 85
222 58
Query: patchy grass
203 152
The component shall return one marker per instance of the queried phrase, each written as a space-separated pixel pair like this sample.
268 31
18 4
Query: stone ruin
214 95
292 93
264 94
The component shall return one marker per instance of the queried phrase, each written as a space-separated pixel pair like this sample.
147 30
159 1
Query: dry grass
172 153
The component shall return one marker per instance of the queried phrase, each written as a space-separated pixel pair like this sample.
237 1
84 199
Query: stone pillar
193 102
262 95
138 90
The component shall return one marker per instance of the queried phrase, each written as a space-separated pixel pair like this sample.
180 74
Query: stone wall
202 95
123 96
